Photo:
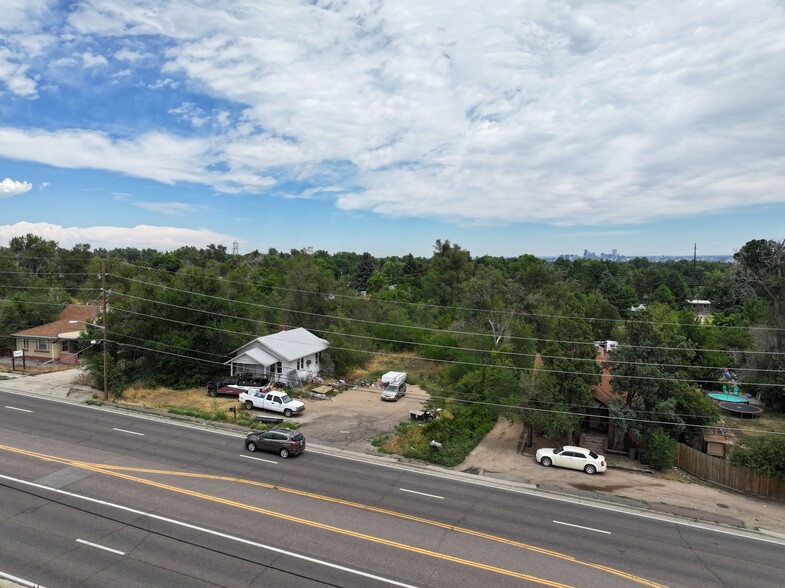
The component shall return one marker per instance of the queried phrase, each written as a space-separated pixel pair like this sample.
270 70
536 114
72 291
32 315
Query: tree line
514 333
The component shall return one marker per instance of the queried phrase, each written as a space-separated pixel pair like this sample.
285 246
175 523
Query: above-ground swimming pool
729 397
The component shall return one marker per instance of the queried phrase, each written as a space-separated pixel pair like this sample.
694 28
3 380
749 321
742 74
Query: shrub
765 454
662 450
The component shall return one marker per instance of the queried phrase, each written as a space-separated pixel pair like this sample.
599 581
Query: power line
432 345
454 362
448 399
379 323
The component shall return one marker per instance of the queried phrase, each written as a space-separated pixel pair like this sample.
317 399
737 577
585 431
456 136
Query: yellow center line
113 470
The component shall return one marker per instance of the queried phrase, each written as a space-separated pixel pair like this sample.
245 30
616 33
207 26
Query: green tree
449 268
566 385
663 295
761 265
366 267
764 454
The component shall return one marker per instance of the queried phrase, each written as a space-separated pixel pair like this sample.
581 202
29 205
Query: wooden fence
722 472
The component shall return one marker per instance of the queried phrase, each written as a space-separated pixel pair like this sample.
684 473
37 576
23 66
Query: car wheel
248 405
284 453
250 446
287 413
590 469
546 461
212 392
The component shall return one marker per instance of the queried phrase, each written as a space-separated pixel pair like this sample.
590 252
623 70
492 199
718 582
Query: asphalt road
93 497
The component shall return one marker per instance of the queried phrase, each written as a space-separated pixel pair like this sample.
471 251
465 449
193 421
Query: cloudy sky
507 127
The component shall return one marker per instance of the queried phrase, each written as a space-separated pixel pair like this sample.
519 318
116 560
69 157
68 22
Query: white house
286 356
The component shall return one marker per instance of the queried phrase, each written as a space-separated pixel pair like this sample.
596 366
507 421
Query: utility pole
106 329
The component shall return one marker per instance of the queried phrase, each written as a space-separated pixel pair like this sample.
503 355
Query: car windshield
298 437
593 455
558 450
286 398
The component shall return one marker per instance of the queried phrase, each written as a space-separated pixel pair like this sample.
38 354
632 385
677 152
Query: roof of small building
79 313
289 345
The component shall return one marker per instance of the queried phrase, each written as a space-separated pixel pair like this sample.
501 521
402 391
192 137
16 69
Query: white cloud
14 75
568 113
130 55
156 156
166 208
9 187
43 185
161 238
191 113
91 60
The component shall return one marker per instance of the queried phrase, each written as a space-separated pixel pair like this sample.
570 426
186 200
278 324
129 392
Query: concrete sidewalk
57 384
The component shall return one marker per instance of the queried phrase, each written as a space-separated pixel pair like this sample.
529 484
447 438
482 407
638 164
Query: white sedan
576 458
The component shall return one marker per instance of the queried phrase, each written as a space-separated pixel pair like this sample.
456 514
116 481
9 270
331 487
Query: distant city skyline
381 126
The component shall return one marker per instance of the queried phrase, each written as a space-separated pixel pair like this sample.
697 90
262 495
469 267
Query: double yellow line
116 471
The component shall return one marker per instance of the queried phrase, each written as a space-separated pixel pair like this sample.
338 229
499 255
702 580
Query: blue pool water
728 397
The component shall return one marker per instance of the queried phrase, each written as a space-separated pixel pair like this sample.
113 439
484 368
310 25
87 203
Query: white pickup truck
272 400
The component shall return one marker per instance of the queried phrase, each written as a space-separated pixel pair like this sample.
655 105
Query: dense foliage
510 336
764 454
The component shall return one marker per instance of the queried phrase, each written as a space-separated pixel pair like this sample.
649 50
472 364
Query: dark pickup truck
236 385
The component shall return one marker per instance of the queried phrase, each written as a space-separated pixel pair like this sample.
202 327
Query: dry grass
195 398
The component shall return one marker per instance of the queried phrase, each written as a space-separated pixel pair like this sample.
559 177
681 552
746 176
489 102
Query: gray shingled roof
287 345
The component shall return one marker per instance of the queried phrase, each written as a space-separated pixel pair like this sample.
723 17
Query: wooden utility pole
106 329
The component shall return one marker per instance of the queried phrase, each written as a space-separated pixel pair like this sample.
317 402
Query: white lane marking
347 432
127 431
83 542
421 493
531 490
580 527
19 409
277 550
20 581
258 458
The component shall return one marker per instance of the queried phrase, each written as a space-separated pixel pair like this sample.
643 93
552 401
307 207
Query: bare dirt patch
673 491
350 420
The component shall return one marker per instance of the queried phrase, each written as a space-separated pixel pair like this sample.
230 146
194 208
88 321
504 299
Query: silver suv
394 390
284 442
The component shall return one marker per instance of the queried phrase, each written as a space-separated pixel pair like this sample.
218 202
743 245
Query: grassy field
768 422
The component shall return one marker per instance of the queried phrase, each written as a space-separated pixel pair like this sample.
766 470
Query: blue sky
514 127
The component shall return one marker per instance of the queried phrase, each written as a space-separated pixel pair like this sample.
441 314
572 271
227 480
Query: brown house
56 341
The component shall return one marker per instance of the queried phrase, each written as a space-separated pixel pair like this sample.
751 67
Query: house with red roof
56 341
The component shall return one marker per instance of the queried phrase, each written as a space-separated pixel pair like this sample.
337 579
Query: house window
279 368
41 345
300 363
318 357
63 345
25 343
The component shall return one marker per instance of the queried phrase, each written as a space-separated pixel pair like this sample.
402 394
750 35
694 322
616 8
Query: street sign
19 353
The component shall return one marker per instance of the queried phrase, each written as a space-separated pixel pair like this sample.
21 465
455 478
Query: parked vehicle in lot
576 458
394 391
272 400
396 386
234 385
284 442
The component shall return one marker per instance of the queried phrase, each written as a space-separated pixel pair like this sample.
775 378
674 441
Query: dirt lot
350 420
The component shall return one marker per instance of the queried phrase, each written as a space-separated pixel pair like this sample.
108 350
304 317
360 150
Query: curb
599 499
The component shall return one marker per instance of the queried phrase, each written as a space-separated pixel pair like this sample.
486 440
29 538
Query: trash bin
632 453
